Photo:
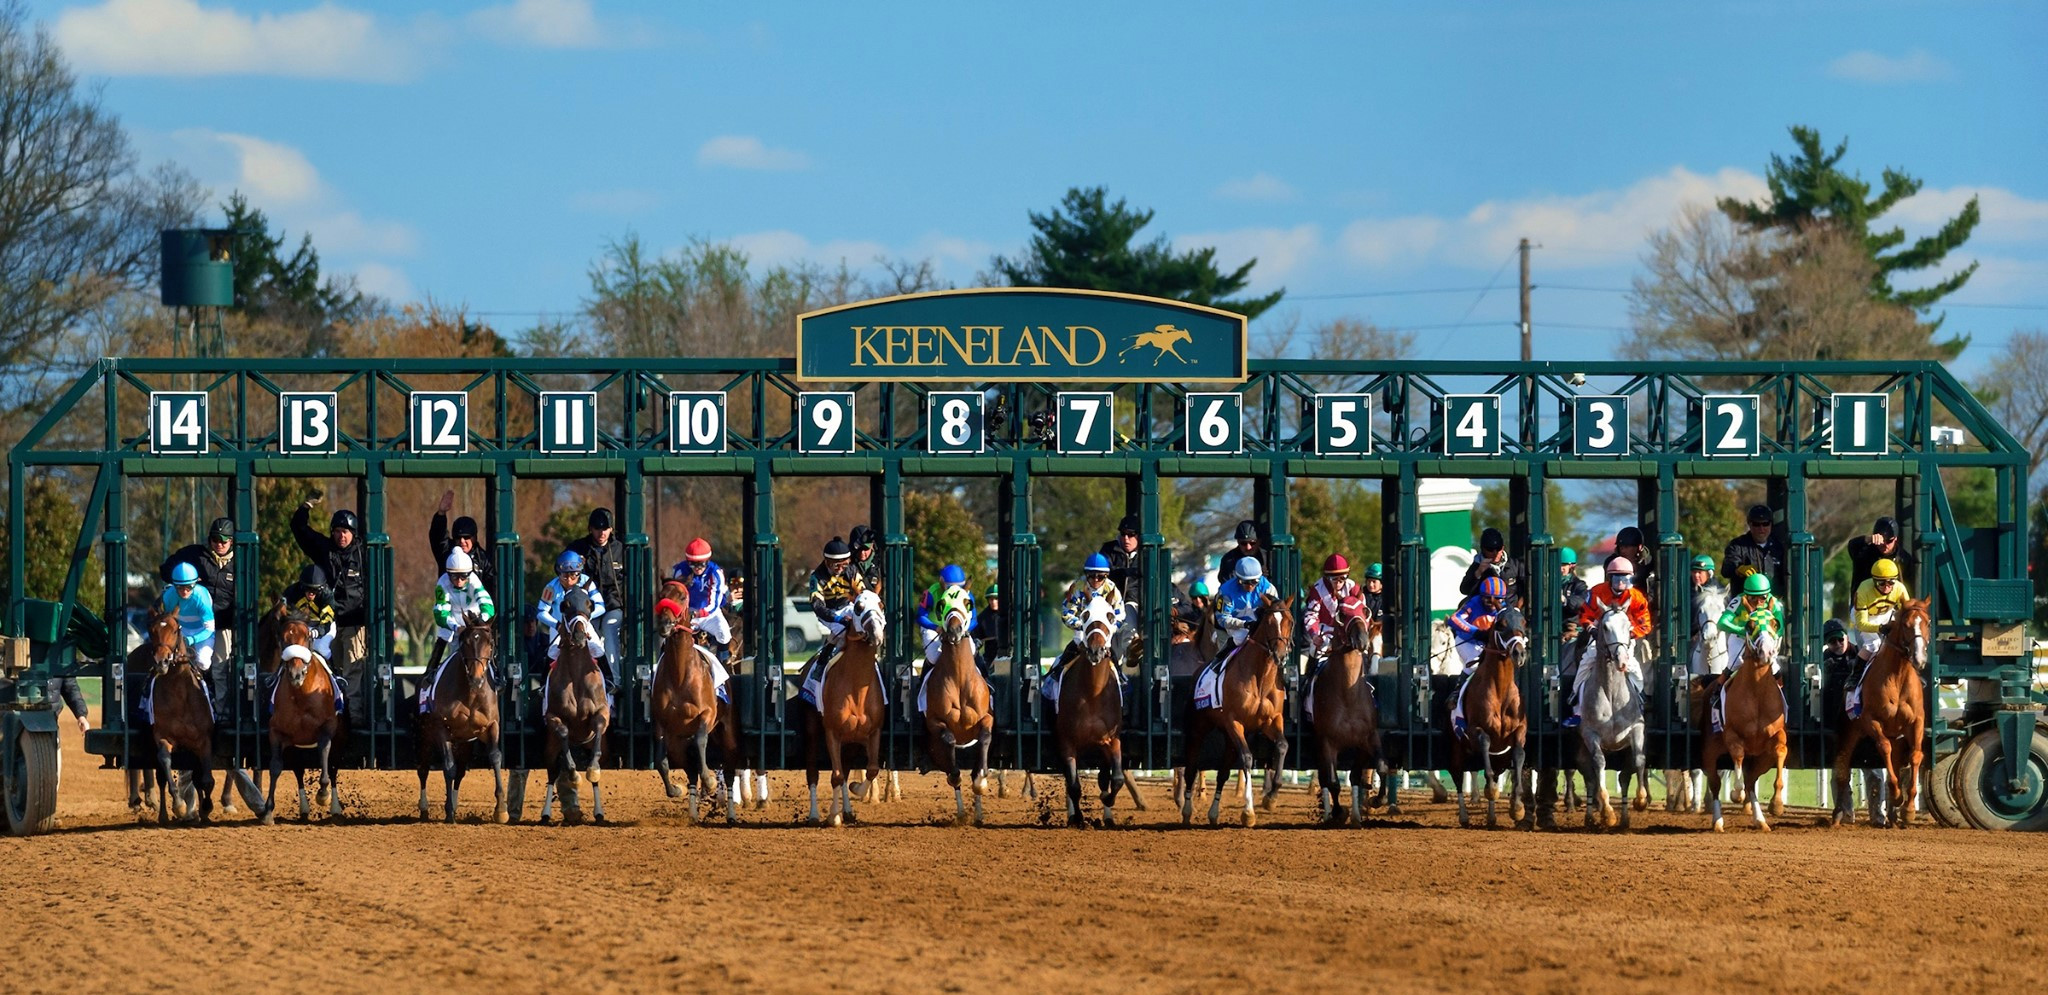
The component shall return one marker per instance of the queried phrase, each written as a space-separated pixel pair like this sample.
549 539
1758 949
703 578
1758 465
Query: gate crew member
990 632
1375 597
1493 561
861 541
604 563
443 541
1759 607
1572 590
1331 604
1865 551
951 578
1247 548
1473 621
709 597
1760 550
1617 592
549 612
458 594
189 601
215 562
1876 599
1628 544
339 555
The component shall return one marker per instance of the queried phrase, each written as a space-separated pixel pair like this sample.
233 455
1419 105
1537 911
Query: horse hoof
1394 809
837 821
1777 806
269 817
1763 827
1718 827
674 792
1248 819
499 817
591 774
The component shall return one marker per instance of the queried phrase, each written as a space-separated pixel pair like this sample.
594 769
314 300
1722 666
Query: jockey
457 594
709 596
1331 604
1618 591
1875 601
1474 619
577 606
1094 584
834 583
1756 607
309 599
187 599
1237 603
952 578
568 580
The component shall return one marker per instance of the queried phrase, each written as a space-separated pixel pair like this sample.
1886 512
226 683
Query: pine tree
1088 243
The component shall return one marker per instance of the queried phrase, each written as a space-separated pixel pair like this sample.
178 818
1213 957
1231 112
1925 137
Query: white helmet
458 562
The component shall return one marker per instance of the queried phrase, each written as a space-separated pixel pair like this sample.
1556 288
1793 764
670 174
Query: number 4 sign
1472 425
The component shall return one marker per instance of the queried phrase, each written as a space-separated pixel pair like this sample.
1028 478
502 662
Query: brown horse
180 719
1089 716
463 711
1752 734
1347 720
1894 714
1250 701
851 710
1494 721
673 607
957 715
302 721
577 716
687 712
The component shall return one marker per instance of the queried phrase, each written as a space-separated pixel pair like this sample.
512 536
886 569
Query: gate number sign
1858 424
1472 425
1728 425
568 421
306 425
953 422
1215 424
824 422
1600 425
1344 424
1087 422
177 422
439 421
696 421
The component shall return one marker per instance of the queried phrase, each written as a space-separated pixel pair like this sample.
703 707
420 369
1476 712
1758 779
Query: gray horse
1611 718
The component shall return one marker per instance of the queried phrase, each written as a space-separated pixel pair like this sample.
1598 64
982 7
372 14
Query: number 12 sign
440 421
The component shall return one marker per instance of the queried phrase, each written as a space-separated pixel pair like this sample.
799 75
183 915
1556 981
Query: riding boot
427 678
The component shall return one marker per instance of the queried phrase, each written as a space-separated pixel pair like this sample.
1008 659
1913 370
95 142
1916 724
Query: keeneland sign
1022 333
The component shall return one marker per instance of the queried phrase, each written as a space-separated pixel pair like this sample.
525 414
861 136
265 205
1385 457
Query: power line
1385 293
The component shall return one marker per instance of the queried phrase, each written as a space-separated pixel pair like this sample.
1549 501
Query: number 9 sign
824 422
953 422
1600 425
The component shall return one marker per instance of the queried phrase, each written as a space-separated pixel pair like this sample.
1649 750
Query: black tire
1939 789
1983 803
33 770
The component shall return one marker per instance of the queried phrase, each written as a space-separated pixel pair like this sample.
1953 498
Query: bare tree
2018 382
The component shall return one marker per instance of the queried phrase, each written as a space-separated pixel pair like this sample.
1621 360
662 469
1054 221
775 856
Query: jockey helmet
465 528
1884 570
1129 526
994 592
861 537
1493 589
952 574
344 519
698 551
458 563
600 518
1759 514
1833 629
569 562
1096 563
1374 572
1491 541
1247 531
836 549
1629 536
1336 564
223 528
1756 585
1200 589
1703 562
1621 566
1568 556
576 602
184 573
313 576
1247 570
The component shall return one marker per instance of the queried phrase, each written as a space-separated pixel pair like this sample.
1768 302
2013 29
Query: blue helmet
569 562
1097 563
1248 570
184 573
952 574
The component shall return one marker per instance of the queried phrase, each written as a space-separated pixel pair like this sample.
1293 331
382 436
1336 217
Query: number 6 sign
1215 424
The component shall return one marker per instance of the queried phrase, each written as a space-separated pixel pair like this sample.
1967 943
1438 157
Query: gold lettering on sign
947 338
895 339
1027 343
864 341
940 346
922 351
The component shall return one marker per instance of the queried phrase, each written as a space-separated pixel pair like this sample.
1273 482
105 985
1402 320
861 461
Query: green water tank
198 267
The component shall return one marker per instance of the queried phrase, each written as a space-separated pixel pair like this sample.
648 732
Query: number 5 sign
306 424
824 422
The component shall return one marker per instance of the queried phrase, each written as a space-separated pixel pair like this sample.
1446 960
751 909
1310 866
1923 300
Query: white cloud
747 152
182 38
1258 186
1605 222
1866 66
2006 216
1280 251
270 173
954 258
621 200
542 23
384 281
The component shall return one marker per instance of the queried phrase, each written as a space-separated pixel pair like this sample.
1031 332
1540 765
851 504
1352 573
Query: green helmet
1200 589
1703 562
1567 556
993 591
1756 584
1374 571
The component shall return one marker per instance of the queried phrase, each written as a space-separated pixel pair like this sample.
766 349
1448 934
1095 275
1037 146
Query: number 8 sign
953 422
824 422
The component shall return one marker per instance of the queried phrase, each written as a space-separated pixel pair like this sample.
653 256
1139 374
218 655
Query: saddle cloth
814 685
1308 702
149 700
1209 682
1049 688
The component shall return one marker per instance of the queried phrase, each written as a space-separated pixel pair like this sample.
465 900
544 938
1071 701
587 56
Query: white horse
1611 703
1685 790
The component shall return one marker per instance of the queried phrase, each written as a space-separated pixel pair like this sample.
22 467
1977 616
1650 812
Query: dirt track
901 903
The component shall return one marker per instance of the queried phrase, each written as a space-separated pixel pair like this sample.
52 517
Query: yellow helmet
1884 570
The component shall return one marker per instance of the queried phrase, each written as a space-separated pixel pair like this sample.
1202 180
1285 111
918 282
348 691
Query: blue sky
483 153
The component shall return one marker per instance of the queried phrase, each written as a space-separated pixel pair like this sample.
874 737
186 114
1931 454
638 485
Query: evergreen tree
276 282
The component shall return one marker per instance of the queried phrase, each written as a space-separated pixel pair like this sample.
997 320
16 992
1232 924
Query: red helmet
1336 564
697 551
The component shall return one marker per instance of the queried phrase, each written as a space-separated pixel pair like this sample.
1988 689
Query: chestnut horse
1893 696
1752 732
688 712
1088 716
1347 719
1494 721
851 710
302 721
671 608
957 715
463 712
180 718
1250 701
577 716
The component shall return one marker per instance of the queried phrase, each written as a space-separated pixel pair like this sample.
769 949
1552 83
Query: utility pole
1527 350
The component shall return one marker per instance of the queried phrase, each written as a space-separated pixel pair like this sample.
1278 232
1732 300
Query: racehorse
673 608
1682 788
1347 719
1492 710
688 712
1089 715
302 721
180 718
1752 730
957 715
464 711
1893 715
1611 719
1249 701
577 714
851 710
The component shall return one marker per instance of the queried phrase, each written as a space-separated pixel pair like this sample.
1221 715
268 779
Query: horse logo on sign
1163 338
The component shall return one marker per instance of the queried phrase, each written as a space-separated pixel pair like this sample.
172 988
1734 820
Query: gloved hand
1233 622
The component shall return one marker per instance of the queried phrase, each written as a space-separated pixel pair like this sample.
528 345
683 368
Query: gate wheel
1981 790
33 769
1939 789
